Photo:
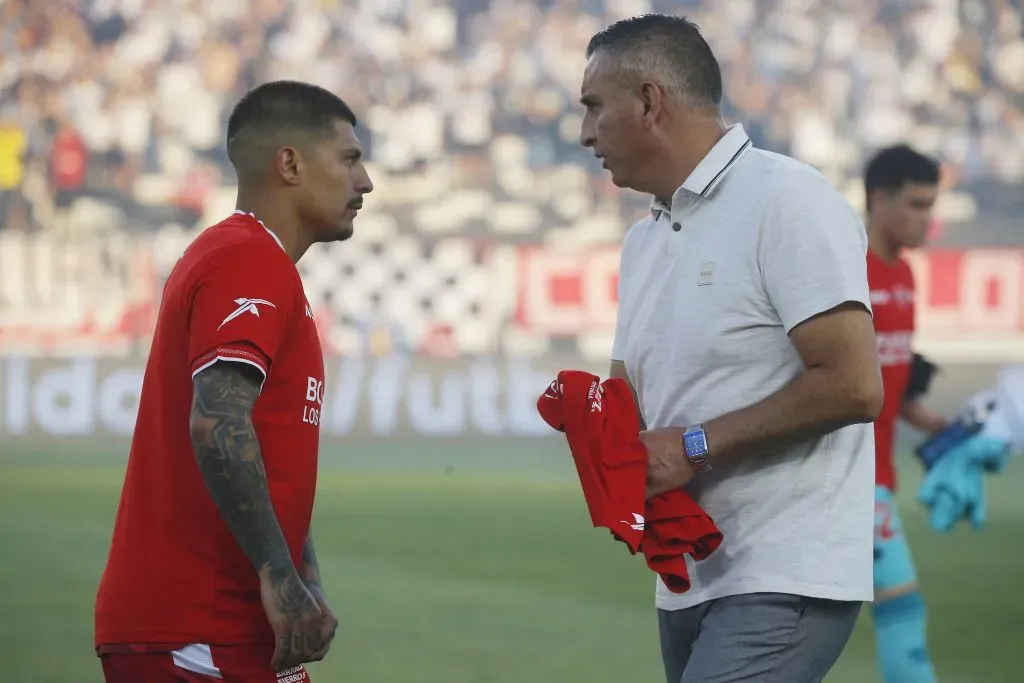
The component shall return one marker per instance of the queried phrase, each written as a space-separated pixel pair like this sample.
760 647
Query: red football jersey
175 574
892 299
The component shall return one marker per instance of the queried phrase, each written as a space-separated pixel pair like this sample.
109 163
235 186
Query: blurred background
453 536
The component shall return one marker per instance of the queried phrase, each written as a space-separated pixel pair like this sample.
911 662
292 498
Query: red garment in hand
601 425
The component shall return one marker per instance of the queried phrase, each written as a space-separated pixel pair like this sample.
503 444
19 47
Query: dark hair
893 167
670 44
280 105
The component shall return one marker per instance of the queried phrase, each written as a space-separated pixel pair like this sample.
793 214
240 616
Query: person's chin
617 179
624 182
341 232
916 243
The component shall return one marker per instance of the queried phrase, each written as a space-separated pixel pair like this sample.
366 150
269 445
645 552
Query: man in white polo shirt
744 326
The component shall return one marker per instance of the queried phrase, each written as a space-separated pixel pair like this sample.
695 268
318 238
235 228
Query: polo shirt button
677 227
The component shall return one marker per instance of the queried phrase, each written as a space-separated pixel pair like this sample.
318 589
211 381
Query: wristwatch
695 446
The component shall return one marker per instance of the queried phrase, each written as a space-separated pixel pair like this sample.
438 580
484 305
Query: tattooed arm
229 457
310 573
228 452
310 569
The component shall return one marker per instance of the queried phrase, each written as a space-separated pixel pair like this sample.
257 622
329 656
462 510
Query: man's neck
276 218
692 147
880 246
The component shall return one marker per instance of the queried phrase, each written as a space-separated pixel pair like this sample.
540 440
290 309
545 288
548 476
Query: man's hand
295 617
667 466
309 571
328 622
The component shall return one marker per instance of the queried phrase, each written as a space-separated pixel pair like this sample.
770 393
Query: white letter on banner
16 400
525 385
74 385
119 400
384 394
485 394
448 415
342 407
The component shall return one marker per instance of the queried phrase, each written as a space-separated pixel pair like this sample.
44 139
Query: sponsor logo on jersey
895 348
314 401
899 295
246 306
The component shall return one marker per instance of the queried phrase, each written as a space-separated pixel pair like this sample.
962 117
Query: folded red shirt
600 423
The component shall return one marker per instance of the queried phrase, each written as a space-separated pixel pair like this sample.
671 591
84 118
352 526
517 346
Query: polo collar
712 169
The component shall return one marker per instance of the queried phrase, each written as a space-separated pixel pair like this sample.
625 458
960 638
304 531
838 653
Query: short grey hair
669 48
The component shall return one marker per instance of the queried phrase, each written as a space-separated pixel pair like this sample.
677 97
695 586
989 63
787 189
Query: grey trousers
755 638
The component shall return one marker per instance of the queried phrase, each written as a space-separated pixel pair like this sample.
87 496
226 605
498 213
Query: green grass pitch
466 562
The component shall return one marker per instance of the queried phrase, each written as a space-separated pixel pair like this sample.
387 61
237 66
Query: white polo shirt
709 288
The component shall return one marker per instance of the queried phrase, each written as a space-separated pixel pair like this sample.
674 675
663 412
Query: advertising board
389 396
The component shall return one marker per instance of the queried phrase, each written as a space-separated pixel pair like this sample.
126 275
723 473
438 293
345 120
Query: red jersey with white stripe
175 574
892 300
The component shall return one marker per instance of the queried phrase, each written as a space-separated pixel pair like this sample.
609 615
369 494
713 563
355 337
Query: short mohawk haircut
287 105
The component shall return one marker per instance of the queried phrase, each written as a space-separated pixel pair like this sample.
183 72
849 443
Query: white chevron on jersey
246 306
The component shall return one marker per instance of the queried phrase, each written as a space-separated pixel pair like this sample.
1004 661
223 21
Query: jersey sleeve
813 252
240 308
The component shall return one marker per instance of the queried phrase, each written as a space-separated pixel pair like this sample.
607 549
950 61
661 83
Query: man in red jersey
212 573
901 186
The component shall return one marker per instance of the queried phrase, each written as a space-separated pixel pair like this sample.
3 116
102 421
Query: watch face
694 444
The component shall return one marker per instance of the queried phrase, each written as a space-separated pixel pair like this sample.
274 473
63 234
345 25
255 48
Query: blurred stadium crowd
112 111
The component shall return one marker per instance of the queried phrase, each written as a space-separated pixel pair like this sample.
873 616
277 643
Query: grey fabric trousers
755 638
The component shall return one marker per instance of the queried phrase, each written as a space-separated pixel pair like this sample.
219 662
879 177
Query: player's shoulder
786 185
639 226
899 264
883 273
781 175
239 241
791 189
237 232
906 271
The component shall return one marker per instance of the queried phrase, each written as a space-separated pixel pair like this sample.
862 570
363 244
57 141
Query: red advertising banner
564 292
969 293
99 297
970 303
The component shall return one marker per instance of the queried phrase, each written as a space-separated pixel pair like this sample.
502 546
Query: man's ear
288 162
653 100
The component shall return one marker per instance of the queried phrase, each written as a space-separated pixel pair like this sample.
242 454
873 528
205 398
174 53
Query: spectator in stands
13 144
491 87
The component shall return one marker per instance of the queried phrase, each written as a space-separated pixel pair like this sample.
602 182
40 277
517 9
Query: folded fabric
602 429
676 527
954 487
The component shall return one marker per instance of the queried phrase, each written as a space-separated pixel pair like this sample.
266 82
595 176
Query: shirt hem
160 638
685 601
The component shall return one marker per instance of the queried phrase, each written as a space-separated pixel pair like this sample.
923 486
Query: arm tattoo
310 567
228 453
